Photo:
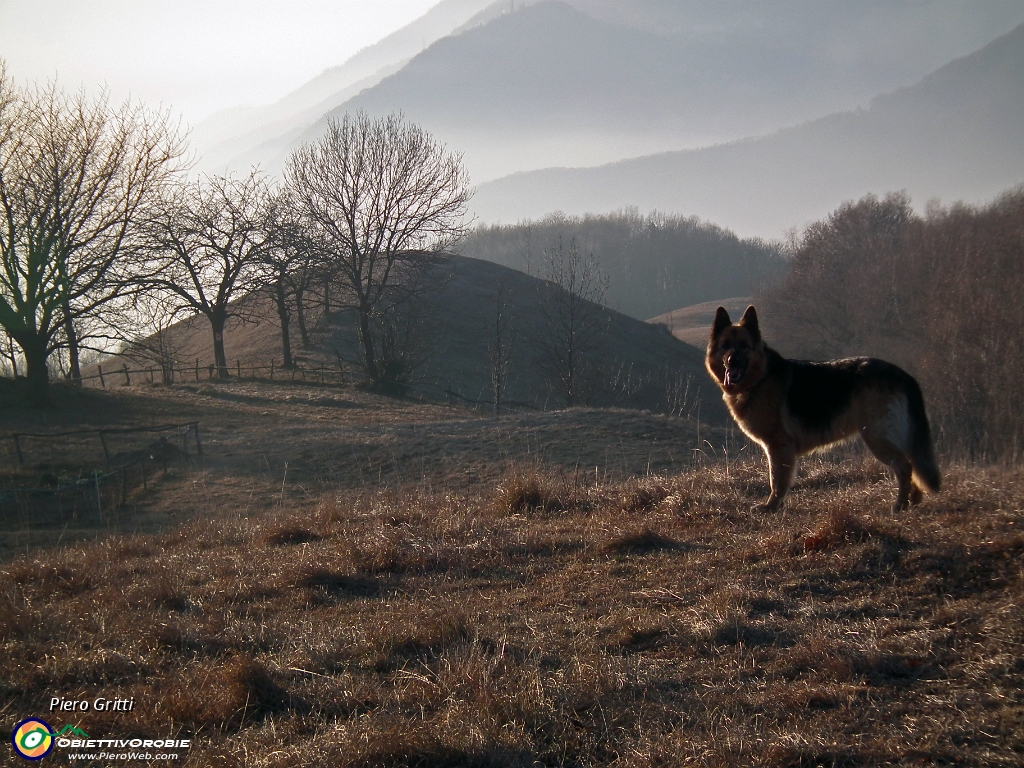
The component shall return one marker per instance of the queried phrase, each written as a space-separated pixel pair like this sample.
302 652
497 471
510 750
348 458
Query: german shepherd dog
792 407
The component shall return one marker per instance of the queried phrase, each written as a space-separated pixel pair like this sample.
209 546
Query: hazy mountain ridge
549 84
534 84
232 137
954 135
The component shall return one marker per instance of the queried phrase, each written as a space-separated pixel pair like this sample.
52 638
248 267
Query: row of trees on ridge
105 237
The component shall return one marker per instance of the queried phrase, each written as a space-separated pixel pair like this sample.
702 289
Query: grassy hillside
540 612
692 324
257 434
637 365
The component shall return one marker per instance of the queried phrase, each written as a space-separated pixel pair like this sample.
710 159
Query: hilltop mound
639 365
692 324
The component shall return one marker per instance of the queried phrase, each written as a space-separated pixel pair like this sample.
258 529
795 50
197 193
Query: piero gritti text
99 704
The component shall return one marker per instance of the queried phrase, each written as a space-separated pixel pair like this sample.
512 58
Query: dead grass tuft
424 637
643 542
165 590
187 642
290 533
842 525
13 619
331 583
51 579
536 492
642 496
635 639
738 631
226 697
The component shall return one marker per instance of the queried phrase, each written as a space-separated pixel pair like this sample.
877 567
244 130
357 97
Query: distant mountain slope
524 85
954 135
229 137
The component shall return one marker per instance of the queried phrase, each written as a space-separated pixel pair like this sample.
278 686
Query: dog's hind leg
890 455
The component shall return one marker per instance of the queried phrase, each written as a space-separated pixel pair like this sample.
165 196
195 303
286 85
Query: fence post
271 370
199 445
99 499
322 373
127 378
197 370
102 381
238 366
150 372
17 449
106 453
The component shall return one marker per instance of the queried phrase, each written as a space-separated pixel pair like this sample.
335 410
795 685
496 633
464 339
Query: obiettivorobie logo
33 738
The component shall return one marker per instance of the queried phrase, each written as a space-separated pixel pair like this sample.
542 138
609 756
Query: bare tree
501 347
211 238
849 259
147 327
289 262
380 196
76 178
576 322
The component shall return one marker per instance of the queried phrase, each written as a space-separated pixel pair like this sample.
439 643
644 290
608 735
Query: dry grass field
424 586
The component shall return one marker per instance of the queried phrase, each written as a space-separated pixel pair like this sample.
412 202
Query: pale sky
191 56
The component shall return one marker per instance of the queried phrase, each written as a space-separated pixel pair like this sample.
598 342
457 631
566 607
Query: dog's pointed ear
722 321
749 321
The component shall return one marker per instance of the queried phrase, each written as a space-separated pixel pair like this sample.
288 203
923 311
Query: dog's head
736 358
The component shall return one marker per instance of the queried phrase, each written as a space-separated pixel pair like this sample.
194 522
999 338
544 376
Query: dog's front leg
781 464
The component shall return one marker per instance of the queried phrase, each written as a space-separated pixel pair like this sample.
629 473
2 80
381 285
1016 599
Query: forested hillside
653 263
938 294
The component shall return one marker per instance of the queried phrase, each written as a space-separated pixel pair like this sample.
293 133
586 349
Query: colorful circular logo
32 738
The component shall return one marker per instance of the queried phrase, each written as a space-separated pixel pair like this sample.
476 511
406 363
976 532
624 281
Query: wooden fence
180 373
73 490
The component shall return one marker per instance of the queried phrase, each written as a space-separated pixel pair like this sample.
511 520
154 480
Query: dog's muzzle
734 372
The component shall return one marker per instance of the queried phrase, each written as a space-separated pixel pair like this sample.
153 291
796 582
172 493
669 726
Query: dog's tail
922 452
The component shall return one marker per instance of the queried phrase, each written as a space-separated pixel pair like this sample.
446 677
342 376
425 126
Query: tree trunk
369 354
37 374
74 367
217 321
281 299
300 314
